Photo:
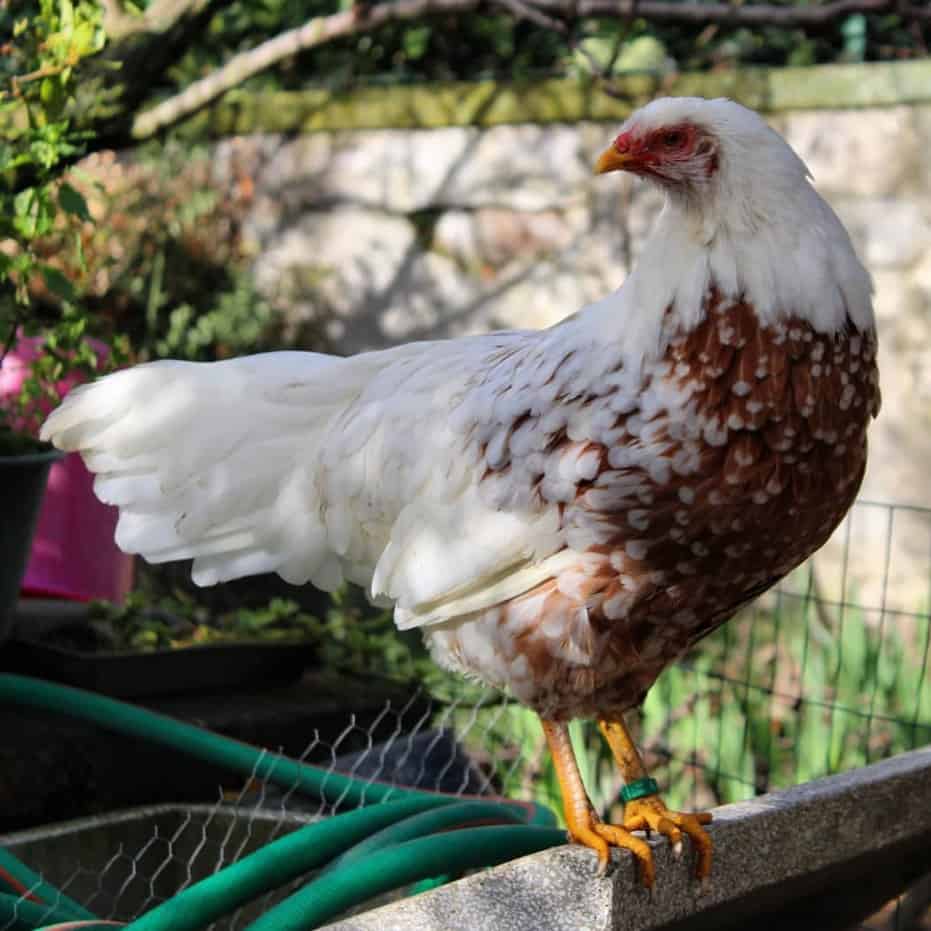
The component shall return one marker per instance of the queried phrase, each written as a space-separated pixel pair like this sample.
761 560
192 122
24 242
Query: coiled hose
390 840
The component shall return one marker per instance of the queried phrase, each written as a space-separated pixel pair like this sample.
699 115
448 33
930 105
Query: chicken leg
585 827
644 810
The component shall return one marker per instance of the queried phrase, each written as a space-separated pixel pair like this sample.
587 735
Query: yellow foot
601 837
651 814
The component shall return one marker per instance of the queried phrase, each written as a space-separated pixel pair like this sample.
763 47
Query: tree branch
522 10
322 29
158 16
117 82
317 31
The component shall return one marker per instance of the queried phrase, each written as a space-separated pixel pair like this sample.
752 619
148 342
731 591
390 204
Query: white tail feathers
320 469
215 461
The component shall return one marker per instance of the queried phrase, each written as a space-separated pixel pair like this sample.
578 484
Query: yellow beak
611 160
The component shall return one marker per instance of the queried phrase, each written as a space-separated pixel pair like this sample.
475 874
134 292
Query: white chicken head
714 158
740 213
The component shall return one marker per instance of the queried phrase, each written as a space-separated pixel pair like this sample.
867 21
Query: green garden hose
398 824
274 864
446 818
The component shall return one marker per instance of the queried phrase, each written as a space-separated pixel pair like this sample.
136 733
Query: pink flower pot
73 554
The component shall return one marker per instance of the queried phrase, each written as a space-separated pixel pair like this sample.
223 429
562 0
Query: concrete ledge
820 855
558 100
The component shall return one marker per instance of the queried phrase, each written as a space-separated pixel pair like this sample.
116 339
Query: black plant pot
22 485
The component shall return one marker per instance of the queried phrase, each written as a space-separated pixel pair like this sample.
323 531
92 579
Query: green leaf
416 40
57 283
47 90
25 213
66 12
83 39
78 251
72 201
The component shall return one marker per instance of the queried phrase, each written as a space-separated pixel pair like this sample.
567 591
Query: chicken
562 512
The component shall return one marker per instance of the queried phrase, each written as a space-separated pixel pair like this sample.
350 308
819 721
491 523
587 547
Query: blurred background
199 179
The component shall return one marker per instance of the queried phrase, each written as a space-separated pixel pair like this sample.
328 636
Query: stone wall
384 236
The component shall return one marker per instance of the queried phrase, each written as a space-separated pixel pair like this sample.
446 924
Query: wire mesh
827 672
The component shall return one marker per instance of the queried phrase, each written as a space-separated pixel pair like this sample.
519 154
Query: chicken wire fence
824 674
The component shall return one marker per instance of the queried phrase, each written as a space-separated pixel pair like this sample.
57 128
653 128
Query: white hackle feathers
758 231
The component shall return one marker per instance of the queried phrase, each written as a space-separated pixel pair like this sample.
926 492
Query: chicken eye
673 138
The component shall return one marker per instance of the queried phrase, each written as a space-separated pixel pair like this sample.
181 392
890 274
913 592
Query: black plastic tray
211 667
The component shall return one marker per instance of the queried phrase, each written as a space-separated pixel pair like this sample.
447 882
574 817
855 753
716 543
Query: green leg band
638 789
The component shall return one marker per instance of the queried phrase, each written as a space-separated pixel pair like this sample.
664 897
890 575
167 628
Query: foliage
491 44
47 41
238 320
156 264
350 635
179 621
165 263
